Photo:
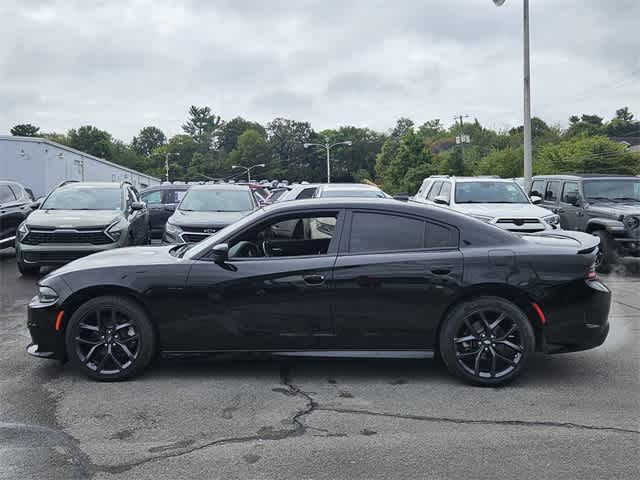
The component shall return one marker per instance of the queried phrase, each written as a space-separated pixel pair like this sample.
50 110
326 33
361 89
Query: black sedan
390 278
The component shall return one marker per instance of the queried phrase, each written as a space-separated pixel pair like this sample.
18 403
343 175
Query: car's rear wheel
110 338
486 341
607 255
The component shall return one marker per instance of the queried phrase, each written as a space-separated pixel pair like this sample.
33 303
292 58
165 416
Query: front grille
92 237
518 221
204 230
194 237
53 258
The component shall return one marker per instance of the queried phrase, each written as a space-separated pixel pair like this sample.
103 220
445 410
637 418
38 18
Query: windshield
489 192
210 200
355 192
84 197
617 190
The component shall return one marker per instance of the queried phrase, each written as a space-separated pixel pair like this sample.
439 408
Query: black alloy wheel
110 338
487 341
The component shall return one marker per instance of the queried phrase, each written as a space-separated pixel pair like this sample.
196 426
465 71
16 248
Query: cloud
124 63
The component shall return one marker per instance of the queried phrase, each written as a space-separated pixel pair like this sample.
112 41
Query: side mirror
440 200
136 206
171 207
220 253
403 197
35 205
536 199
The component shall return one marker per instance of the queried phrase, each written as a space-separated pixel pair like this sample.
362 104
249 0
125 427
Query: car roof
178 186
221 186
578 176
348 186
483 179
94 184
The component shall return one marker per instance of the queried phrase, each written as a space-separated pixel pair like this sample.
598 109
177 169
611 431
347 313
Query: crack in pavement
263 434
522 423
627 305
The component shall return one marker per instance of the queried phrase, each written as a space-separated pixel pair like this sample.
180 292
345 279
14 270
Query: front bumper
579 320
46 341
59 254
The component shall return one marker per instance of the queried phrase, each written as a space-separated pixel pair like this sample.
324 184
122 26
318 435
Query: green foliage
231 130
91 140
148 140
203 126
252 148
25 130
412 162
507 163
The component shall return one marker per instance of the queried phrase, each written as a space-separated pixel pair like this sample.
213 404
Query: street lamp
528 170
248 169
328 146
166 164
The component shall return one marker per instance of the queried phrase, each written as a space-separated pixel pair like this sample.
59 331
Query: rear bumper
581 322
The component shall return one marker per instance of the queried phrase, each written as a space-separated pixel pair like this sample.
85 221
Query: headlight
115 230
483 218
47 295
632 222
172 229
553 220
23 230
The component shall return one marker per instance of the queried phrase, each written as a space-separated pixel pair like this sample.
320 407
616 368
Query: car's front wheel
486 341
607 256
110 338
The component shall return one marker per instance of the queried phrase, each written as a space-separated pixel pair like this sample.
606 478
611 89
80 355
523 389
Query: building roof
11 138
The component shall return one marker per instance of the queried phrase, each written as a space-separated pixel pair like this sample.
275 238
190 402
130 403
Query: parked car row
15 205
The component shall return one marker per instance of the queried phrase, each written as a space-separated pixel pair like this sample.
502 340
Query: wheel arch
78 298
518 297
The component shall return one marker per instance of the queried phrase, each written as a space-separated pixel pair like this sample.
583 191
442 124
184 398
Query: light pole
248 169
528 168
328 146
166 165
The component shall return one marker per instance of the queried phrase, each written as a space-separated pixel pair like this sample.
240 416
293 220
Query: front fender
608 224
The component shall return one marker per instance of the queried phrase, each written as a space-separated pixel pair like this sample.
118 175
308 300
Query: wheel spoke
91 352
128 339
511 345
124 325
115 360
509 332
493 362
497 321
89 327
126 350
470 327
485 322
104 360
508 360
476 367
468 338
88 342
468 354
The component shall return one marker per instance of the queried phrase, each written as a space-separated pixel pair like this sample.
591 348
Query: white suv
493 200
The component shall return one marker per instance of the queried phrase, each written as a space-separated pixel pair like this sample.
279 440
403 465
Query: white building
41 164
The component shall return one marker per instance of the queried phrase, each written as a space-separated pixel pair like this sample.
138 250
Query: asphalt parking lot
571 416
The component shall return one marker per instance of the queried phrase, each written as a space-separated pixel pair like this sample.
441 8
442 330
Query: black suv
15 205
77 219
162 201
604 205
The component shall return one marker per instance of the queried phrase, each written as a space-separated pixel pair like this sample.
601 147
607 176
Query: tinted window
612 189
570 190
438 236
435 190
489 192
6 195
174 196
84 197
217 200
371 232
152 198
537 187
306 193
553 192
445 191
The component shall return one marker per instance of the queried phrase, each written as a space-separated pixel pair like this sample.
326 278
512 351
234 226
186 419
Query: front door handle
314 279
441 270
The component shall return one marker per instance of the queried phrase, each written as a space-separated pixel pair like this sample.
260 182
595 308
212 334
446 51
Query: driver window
288 237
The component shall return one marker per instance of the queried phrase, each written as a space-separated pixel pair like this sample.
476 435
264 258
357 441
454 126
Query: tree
290 159
231 130
402 128
586 125
506 163
203 126
252 148
624 115
622 125
25 130
91 140
148 140
412 163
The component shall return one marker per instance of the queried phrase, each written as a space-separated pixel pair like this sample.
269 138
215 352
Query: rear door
393 278
552 195
153 199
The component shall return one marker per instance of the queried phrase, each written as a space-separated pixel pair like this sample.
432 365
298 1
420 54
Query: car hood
183 218
615 209
121 257
72 218
493 210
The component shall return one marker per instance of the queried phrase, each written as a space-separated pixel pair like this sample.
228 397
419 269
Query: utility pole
461 135
528 166
166 166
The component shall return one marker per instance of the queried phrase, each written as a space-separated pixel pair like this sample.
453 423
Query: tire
95 344
468 348
608 256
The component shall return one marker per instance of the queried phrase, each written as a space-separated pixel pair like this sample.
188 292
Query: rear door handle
441 270
314 279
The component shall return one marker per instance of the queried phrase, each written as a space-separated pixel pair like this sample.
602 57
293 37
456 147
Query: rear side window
174 196
423 189
537 188
445 191
553 192
435 190
6 194
152 198
376 232
439 236
306 193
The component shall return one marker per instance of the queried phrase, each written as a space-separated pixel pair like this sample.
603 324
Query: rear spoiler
587 243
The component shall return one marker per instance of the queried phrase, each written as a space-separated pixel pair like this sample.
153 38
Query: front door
393 281
272 293
570 210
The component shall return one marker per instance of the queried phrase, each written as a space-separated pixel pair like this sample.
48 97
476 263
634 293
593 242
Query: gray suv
77 219
607 206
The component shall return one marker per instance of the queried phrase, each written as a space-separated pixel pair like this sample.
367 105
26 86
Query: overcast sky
121 65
